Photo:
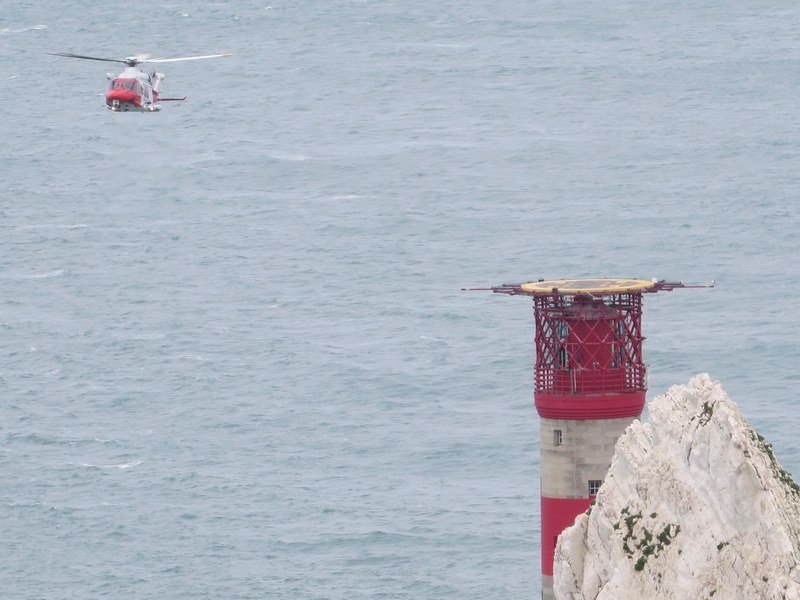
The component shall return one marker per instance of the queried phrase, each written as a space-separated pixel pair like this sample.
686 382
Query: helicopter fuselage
133 90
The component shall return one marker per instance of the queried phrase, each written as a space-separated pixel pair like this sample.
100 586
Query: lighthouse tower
590 385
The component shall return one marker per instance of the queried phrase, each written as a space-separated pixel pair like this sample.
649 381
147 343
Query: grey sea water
234 358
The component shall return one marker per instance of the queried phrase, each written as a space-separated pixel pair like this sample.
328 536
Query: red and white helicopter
133 89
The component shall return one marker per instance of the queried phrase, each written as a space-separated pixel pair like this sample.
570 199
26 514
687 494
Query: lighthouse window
594 485
557 437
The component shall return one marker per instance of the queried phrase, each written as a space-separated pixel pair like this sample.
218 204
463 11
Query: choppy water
235 359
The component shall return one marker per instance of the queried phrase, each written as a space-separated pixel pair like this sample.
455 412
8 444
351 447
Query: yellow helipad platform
588 286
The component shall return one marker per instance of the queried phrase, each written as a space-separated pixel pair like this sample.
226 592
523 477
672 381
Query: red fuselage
127 94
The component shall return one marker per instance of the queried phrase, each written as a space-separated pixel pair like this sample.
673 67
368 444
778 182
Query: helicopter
133 89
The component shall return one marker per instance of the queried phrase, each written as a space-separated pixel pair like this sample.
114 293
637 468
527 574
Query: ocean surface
235 360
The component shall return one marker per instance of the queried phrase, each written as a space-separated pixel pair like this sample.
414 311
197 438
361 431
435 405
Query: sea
235 358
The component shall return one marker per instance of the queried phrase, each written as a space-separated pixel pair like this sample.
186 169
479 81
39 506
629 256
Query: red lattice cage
587 344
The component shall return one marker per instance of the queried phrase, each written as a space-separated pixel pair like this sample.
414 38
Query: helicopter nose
120 95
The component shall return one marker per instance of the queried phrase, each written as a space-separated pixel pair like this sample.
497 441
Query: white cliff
693 506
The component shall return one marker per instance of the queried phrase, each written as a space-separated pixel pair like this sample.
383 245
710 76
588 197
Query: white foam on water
120 466
152 335
56 273
24 29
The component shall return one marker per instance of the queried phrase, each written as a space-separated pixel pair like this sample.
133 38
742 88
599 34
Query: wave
121 466
56 273
347 197
55 225
293 157
24 29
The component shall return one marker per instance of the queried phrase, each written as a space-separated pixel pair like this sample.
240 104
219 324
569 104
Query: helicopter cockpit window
125 84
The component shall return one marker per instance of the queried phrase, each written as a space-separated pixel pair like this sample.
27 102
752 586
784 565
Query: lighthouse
590 383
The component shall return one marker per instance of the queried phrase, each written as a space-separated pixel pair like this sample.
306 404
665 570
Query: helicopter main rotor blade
164 60
68 55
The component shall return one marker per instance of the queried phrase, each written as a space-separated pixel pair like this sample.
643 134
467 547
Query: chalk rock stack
694 506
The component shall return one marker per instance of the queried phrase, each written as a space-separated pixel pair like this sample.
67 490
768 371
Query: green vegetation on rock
643 540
